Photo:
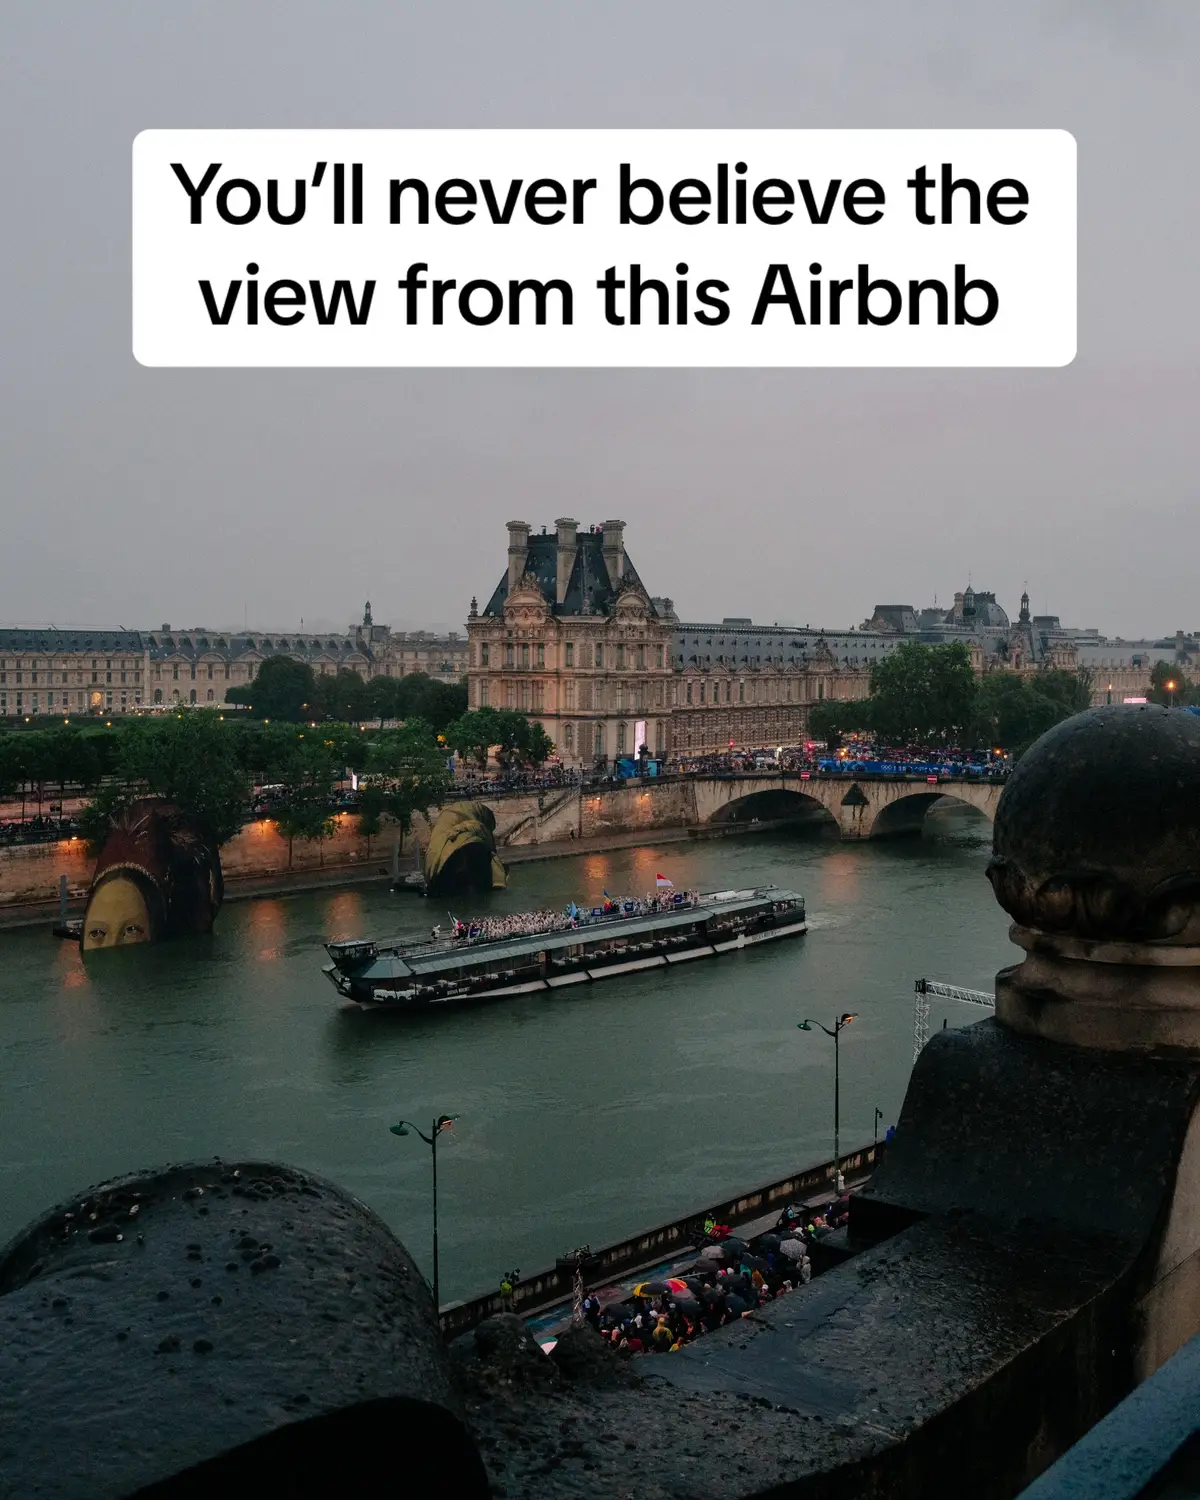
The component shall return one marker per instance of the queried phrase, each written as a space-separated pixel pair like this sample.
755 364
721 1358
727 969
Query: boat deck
400 959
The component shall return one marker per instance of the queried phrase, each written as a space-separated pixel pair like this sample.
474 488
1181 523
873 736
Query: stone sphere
220 1329
1097 832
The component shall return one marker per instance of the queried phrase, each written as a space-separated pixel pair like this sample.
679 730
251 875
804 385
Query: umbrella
711 1294
671 1286
768 1242
712 1252
792 1249
736 1305
734 1246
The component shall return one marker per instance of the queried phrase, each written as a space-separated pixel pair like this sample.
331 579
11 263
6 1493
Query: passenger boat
572 948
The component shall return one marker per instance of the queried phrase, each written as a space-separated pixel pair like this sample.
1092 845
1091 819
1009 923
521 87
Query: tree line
211 765
291 692
930 696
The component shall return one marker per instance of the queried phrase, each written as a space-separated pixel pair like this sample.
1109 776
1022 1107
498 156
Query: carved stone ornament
1097 859
1097 833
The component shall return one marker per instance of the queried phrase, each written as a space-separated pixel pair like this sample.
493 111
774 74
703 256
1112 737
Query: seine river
585 1116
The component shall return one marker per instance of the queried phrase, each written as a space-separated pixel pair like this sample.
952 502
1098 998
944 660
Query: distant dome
1097 832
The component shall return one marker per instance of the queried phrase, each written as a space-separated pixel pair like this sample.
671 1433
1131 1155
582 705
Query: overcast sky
133 496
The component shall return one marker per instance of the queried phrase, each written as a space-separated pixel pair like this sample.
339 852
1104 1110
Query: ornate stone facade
571 638
768 704
112 672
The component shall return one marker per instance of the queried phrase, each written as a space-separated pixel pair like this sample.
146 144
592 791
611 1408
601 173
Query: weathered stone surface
1097 833
582 1357
1001 1126
240 1324
506 1349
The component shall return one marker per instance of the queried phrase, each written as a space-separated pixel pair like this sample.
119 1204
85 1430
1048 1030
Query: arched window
158 695
600 739
568 736
210 695
192 696
621 732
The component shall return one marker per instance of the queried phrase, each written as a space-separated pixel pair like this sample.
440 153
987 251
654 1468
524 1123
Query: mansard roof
52 641
589 591
187 646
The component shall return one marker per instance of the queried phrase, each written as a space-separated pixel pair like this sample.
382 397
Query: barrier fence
554 1284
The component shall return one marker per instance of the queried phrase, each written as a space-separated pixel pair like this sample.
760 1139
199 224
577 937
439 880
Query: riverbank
364 872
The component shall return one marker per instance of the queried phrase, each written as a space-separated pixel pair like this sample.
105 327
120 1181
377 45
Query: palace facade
571 637
112 672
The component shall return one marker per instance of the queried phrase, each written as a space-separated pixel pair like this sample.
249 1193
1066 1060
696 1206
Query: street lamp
1171 690
839 1023
443 1122
878 1117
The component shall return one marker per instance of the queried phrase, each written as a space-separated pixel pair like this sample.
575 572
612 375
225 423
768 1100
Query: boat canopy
434 959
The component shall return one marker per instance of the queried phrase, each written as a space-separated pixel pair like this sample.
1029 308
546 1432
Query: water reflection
585 1113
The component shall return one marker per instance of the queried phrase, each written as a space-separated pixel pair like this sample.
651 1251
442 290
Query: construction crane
935 989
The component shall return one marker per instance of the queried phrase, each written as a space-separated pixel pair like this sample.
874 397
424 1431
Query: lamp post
1171 690
442 1122
878 1117
838 1024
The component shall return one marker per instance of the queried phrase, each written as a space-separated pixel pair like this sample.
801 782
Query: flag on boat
662 883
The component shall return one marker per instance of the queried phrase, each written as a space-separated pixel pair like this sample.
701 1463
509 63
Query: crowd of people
900 760
533 923
729 1280
471 784
41 830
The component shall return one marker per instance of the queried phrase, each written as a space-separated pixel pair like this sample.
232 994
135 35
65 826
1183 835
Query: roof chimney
518 551
565 529
613 549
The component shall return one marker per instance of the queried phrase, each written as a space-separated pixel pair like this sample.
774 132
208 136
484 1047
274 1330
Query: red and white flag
662 883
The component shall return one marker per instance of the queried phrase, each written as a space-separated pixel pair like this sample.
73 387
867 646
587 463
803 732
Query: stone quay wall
29 873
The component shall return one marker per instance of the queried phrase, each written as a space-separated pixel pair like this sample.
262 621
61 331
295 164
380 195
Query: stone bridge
863 807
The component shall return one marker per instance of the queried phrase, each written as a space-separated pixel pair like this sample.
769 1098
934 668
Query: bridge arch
772 805
906 813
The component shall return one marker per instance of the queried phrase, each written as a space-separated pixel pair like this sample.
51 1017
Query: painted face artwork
117 914
157 876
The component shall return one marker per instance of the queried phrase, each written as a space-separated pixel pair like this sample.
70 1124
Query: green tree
382 698
343 698
1070 691
190 760
1162 673
70 758
923 694
371 807
284 689
438 702
474 733
303 811
408 767
14 766
833 722
536 744
1012 711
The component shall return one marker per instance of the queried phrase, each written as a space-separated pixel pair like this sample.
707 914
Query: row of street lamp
442 1123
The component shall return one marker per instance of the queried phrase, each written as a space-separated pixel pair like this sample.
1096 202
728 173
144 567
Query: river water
583 1117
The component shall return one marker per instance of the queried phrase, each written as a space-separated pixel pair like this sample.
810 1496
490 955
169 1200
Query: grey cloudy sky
132 496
